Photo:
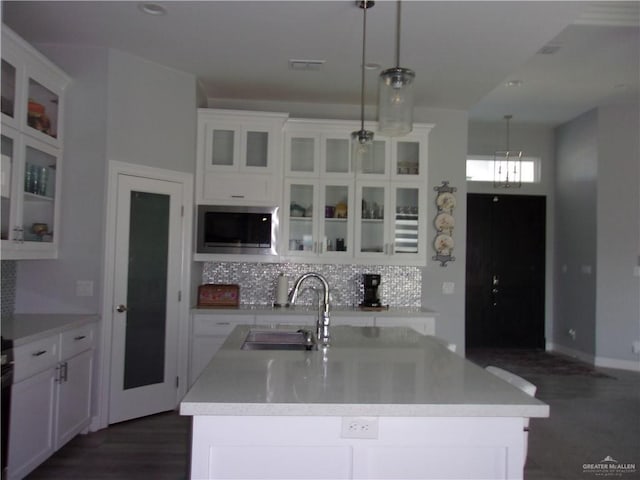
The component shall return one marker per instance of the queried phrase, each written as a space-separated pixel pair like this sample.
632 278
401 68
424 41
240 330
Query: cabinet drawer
239 187
35 357
75 341
218 324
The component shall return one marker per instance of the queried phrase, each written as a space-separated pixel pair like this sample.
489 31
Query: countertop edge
371 410
309 310
29 328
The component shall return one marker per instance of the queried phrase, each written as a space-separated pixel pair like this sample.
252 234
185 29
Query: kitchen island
378 403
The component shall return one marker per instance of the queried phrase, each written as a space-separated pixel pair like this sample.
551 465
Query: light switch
84 288
448 288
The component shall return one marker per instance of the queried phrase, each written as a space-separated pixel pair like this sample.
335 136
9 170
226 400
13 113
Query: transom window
481 168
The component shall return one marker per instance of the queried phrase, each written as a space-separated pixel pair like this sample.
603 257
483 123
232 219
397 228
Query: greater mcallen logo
608 467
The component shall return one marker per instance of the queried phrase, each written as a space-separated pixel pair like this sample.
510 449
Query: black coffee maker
371 283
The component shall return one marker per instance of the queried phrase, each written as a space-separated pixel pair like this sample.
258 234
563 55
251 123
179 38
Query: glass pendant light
362 140
507 165
395 107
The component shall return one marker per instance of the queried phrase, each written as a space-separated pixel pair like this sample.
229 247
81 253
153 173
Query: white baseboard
633 365
570 352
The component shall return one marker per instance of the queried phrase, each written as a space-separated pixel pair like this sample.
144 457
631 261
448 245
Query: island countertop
367 371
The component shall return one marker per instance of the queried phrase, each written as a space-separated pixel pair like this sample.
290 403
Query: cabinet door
301 236
407 205
43 105
376 164
221 145
302 150
372 237
335 153
11 87
336 214
9 229
32 423
40 193
74 397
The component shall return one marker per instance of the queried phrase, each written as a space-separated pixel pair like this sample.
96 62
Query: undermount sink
279 340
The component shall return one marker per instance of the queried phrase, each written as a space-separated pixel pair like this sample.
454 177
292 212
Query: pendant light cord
364 46
399 11
508 118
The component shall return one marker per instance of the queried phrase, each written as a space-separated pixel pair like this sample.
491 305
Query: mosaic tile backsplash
8 288
400 286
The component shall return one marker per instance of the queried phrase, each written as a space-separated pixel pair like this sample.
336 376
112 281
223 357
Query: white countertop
312 310
367 371
27 328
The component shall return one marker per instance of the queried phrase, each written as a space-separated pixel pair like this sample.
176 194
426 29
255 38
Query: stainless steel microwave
237 230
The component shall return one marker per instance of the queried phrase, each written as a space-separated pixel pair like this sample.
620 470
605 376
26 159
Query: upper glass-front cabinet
32 111
391 221
238 147
317 149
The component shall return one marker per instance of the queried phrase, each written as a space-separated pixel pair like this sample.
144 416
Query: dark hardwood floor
149 448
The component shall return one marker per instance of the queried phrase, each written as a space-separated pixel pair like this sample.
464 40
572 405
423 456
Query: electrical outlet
359 427
635 347
572 333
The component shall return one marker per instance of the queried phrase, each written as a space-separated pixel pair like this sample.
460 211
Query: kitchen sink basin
279 340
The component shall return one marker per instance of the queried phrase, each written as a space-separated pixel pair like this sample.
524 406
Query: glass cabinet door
336 153
376 162
303 154
371 221
256 154
301 199
223 147
42 109
39 192
407 158
8 92
406 221
336 219
8 147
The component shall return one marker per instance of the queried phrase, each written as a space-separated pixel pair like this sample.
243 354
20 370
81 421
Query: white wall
48 286
152 114
535 141
618 240
447 154
576 233
120 107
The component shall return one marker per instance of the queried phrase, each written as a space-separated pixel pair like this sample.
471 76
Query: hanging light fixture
507 165
395 108
362 140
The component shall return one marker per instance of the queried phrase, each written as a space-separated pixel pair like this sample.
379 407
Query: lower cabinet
51 398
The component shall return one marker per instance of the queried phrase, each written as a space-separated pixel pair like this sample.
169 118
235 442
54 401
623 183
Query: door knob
121 308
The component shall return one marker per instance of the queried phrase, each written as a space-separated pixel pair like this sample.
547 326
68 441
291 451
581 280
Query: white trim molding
595 360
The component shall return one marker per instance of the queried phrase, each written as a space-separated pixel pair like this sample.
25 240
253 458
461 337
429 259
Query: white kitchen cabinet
208 333
32 128
51 397
318 148
238 157
391 222
318 220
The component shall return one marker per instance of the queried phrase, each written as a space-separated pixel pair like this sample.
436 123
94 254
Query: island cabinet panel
402 447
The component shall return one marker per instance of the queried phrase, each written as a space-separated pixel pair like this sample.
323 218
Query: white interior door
147 274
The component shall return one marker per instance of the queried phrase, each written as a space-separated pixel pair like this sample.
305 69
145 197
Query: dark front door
505 271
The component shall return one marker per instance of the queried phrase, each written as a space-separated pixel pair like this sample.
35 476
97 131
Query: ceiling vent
549 49
306 65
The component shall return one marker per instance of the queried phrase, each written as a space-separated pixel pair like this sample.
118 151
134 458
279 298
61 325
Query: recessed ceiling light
152 8
514 83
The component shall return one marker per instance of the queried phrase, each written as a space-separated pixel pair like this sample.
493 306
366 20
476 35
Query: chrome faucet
322 324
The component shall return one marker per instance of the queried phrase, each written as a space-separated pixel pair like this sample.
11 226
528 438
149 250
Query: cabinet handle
79 337
223 323
38 353
237 196
64 371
